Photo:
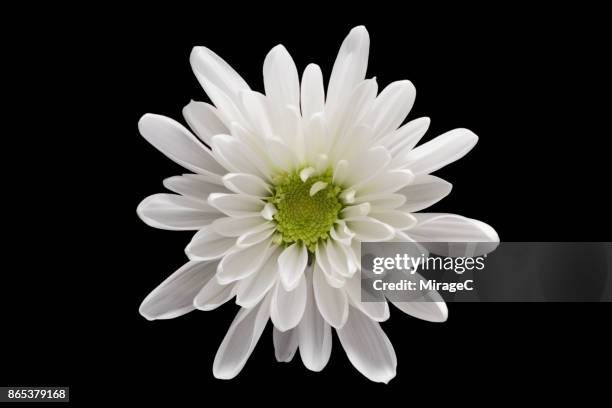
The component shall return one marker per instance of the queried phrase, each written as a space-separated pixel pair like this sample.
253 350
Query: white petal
341 233
366 167
406 137
235 227
213 295
242 262
356 210
337 258
172 139
375 310
258 111
439 152
306 173
331 302
193 186
314 334
383 201
349 68
424 191
203 119
211 71
291 265
316 187
431 307
175 212
459 231
268 211
207 245
392 107
369 229
386 183
285 344
323 263
236 156
255 236
174 296
315 137
400 220
236 205
240 340
251 290
283 156
287 308
368 347
281 79
246 184
361 100
313 94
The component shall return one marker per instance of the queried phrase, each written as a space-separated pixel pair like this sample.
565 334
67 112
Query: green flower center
301 217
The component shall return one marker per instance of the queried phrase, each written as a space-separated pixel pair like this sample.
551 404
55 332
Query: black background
530 82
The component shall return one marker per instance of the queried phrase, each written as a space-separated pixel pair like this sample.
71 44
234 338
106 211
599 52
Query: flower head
285 187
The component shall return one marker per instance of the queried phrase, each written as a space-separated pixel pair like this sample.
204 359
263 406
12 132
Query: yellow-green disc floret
301 217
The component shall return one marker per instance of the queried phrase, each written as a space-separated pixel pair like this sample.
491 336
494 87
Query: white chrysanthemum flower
293 181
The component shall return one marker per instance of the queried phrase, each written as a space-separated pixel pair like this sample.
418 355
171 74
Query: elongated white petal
439 152
246 184
400 220
251 290
406 137
424 191
242 262
375 310
315 339
236 205
207 245
368 347
369 229
391 107
343 123
213 295
172 139
236 156
383 201
356 210
193 186
386 183
281 79
460 231
255 236
322 262
428 306
287 307
332 303
337 258
235 227
203 119
291 265
174 296
285 344
367 166
240 340
212 71
349 68
175 212
341 233
312 92
258 111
